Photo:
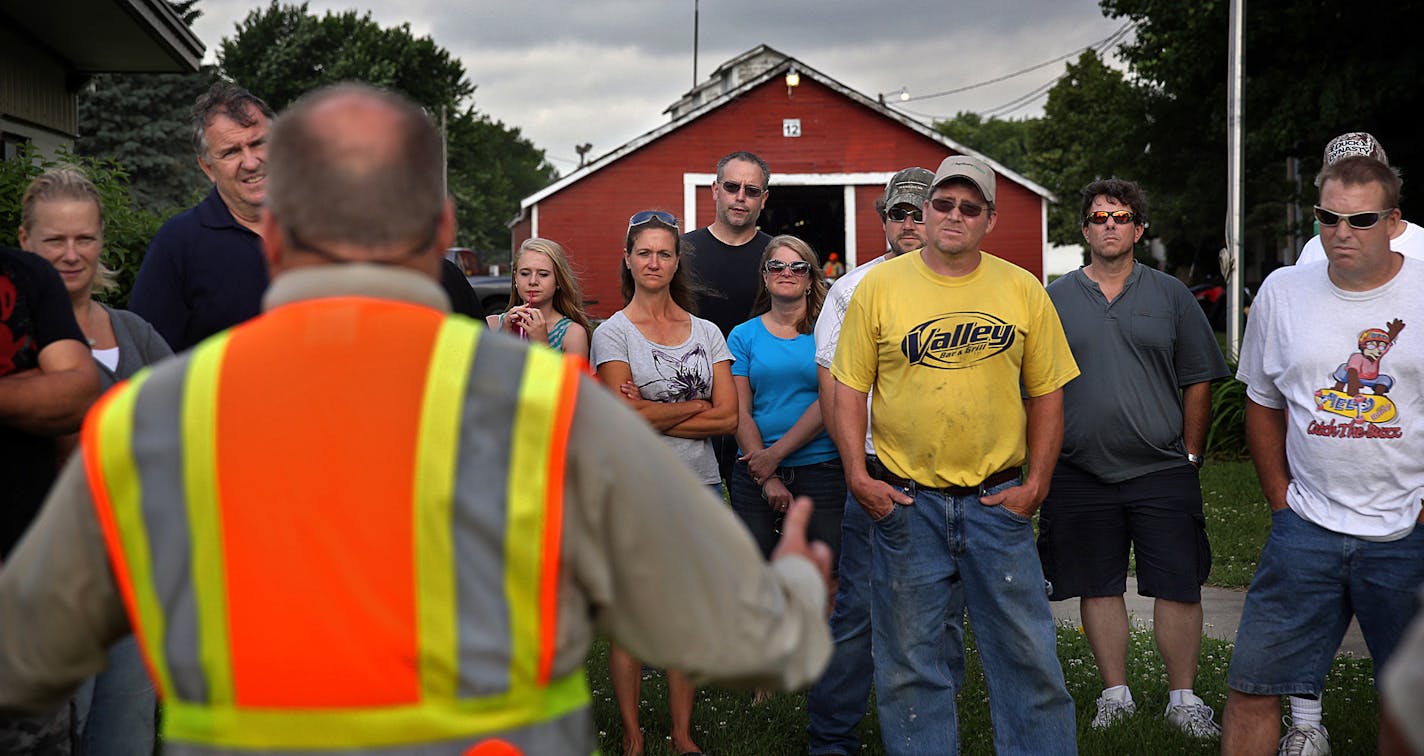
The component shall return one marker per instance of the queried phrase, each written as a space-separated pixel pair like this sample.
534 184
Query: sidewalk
1221 610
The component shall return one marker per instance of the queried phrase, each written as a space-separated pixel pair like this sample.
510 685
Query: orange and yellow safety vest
337 528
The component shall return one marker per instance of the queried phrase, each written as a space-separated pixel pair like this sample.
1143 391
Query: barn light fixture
903 94
793 80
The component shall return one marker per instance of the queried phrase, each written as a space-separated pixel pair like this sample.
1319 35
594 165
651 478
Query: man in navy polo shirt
204 270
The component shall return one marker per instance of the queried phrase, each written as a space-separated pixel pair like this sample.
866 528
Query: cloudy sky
568 72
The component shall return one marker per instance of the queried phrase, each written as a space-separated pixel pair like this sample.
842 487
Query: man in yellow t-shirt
952 340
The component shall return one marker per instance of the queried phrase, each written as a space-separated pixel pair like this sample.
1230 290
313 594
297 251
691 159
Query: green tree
1007 141
142 121
1092 128
127 227
1312 72
283 51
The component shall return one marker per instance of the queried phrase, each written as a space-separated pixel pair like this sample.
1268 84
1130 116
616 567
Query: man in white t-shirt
836 704
1333 422
1407 239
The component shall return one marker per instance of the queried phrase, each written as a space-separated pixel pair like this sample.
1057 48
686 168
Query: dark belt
878 471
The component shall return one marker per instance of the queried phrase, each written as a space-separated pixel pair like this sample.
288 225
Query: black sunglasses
800 267
899 214
1119 217
1360 221
732 187
966 209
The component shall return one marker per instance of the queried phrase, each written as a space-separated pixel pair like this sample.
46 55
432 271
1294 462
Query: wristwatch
1197 460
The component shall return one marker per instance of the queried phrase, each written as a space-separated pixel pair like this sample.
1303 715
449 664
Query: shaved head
353 165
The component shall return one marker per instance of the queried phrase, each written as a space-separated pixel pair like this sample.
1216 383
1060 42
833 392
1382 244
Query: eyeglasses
899 214
1119 217
966 209
732 187
799 268
1360 221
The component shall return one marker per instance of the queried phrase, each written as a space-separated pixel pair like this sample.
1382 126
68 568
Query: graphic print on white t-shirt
1359 390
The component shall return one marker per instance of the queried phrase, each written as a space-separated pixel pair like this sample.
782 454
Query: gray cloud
568 72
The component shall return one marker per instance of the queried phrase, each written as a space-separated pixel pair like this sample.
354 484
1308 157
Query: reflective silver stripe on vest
479 512
569 734
158 457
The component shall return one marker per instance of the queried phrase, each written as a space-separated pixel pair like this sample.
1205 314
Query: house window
12 143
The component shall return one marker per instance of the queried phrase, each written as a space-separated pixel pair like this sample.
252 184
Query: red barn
831 149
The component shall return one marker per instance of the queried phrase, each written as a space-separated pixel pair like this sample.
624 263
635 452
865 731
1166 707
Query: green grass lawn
1237 520
725 723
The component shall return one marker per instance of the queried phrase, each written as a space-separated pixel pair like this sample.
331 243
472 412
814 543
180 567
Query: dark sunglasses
1361 221
732 187
1119 217
652 216
966 209
899 214
800 267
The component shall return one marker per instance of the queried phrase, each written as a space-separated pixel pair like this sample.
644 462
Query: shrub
1226 438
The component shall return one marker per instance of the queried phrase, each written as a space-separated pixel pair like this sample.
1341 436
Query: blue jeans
115 709
931 560
836 703
1307 585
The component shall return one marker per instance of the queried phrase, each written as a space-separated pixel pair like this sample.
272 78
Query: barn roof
746 86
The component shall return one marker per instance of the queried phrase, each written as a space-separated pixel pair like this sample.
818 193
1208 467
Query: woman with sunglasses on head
674 369
545 303
62 220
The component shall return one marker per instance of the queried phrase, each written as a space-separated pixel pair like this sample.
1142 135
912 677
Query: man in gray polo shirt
1135 425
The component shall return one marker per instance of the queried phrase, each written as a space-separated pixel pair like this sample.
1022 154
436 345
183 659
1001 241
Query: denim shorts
1086 526
1310 581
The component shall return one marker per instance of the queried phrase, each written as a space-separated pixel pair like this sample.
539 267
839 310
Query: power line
1021 101
1100 44
1024 100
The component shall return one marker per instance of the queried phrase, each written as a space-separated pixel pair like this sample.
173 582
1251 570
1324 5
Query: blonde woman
545 302
62 220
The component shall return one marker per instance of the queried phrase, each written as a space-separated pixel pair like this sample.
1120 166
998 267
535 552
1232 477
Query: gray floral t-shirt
668 374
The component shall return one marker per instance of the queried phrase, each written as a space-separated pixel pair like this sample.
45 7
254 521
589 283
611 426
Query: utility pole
1231 255
695 14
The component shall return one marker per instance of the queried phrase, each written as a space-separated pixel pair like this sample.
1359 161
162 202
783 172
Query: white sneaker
1110 710
1305 740
1193 717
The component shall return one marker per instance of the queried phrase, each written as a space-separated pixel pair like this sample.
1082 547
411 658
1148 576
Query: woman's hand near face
529 318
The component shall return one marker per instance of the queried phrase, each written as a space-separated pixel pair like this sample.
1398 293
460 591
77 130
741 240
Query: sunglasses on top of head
798 268
652 216
1359 221
1119 217
732 187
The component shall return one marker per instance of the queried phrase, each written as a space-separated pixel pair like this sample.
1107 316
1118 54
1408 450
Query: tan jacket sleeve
670 573
59 606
